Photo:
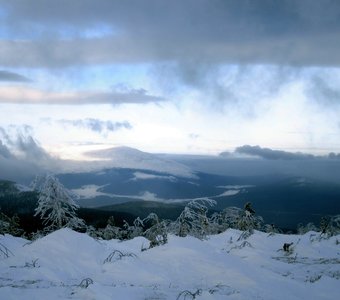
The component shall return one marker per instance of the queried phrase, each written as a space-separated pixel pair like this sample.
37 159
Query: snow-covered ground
62 264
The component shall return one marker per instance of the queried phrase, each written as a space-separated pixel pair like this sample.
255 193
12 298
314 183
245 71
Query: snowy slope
126 157
218 268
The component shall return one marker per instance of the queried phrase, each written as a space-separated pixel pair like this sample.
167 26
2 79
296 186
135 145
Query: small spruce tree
194 220
248 221
10 225
55 207
157 232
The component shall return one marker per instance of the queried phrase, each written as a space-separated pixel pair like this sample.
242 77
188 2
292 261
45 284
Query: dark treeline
49 207
23 205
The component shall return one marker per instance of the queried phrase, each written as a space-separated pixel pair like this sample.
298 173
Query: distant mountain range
283 200
140 183
130 158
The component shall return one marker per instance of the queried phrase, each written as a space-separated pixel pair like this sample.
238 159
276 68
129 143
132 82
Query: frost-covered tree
38 182
194 220
271 229
330 226
157 230
125 231
10 225
302 229
138 228
55 205
334 226
227 218
111 231
248 221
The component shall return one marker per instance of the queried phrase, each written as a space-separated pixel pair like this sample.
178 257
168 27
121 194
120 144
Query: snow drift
71 265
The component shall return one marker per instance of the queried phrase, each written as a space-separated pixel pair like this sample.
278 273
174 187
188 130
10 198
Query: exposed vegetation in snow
70 265
230 253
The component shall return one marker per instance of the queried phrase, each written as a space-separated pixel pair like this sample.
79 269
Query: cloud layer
29 95
21 157
212 72
12 77
279 32
270 154
96 125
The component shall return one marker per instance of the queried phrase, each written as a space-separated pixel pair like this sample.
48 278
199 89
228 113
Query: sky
180 76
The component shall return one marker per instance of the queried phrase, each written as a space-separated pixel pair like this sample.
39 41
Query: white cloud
29 95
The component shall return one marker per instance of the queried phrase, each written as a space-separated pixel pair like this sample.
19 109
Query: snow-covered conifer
111 231
138 228
302 229
227 218
248 221
157 232
38 183
55 206
333 226
10 225
271 229
193 220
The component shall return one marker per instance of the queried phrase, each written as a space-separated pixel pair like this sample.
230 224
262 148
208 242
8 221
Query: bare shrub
118 255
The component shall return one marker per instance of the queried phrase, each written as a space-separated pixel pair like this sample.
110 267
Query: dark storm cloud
97 125
211 31
12 77
268 153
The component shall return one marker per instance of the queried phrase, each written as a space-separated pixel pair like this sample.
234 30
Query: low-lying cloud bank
22 157
270 154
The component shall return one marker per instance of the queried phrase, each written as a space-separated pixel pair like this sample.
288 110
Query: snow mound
126 157
71 265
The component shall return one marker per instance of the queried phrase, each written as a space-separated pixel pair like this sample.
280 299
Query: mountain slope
130 158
